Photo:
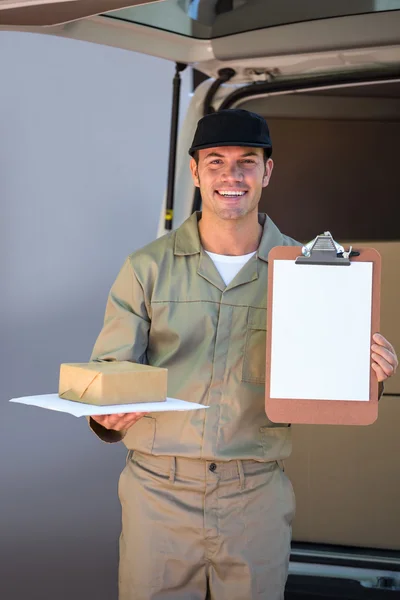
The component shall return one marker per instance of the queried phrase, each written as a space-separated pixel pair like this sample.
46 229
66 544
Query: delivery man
206 508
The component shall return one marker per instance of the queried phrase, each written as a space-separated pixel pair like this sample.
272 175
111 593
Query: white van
326 75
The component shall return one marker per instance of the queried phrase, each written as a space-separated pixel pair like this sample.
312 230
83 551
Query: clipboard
323 307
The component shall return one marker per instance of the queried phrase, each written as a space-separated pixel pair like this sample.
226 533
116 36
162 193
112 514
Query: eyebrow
219 155
249 154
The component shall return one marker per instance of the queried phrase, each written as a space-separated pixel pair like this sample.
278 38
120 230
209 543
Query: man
206 508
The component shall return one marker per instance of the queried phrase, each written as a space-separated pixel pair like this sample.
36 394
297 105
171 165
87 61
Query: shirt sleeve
125 332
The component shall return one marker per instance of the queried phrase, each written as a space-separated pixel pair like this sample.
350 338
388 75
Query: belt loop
172 469
241 474
129 456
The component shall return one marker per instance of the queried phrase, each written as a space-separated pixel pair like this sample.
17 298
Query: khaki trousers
198 530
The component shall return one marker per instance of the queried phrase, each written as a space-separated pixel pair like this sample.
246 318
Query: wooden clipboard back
323 412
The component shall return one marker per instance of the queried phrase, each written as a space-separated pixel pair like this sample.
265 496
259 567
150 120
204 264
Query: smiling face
231 179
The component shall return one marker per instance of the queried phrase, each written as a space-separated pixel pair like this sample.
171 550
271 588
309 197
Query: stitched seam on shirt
259 380
136 278
207 402
206 302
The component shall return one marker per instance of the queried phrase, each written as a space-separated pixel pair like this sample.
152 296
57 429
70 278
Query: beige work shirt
169 307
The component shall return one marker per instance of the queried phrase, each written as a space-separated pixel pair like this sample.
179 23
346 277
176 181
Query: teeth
234 193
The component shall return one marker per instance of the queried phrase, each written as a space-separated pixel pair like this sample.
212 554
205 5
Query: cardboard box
107 383
346 482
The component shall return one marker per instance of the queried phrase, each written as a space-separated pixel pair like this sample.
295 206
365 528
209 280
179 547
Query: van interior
336 154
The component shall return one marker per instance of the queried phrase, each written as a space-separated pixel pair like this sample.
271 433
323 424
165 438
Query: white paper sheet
54 402
321 331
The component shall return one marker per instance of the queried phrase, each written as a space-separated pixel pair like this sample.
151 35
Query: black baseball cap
231 127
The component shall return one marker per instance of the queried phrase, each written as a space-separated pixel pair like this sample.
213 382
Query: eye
216 161
249 161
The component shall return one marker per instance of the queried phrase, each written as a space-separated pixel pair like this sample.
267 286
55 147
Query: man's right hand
119 421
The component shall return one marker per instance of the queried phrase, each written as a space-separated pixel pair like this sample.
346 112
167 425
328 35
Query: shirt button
213 467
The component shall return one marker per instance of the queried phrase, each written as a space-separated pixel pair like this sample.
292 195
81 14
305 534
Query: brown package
108 383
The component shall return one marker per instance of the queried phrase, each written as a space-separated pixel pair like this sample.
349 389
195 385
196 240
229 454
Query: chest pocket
255 348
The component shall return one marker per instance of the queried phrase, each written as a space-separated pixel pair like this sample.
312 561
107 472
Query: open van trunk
336 153
328 83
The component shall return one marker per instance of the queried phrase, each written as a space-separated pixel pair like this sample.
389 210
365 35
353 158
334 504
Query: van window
207 19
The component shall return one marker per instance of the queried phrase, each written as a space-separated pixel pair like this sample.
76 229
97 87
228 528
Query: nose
232 173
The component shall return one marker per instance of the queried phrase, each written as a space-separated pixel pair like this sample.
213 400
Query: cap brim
194 149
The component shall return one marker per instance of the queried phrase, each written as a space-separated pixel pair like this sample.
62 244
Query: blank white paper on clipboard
321 331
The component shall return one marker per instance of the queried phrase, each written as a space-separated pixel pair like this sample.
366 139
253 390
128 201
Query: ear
195 172
269 165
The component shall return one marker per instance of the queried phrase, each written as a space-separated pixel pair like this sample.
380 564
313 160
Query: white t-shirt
229 266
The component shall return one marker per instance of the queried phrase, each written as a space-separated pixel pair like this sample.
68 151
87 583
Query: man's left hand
384 358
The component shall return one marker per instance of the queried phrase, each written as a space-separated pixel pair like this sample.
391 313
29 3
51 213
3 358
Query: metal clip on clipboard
323 250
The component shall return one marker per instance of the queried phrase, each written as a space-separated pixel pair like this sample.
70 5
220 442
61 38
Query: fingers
127 420
101 419
119 421
380 375
382 341
114 421
385 361
384 353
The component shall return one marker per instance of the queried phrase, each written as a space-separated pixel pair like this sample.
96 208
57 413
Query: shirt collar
187 238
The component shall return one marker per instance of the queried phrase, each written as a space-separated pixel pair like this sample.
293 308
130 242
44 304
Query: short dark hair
267 155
